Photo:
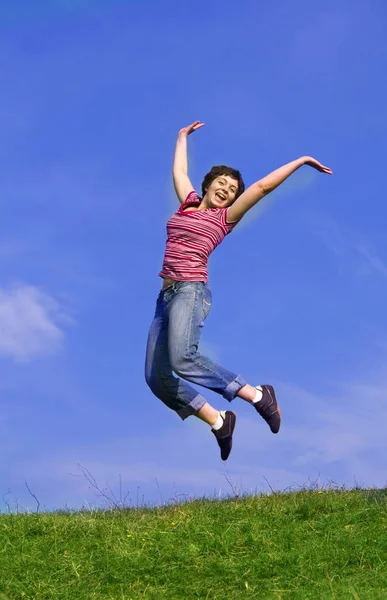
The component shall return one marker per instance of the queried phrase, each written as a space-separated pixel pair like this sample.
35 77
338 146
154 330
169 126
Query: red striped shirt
191 237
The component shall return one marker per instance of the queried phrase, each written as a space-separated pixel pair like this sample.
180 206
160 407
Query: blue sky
93 94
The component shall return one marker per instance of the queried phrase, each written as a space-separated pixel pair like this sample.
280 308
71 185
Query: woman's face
222 191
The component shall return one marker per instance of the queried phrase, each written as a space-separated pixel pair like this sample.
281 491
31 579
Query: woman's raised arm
267 184
181 181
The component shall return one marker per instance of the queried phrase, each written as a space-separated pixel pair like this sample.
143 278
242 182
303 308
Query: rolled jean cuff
193 407
233 388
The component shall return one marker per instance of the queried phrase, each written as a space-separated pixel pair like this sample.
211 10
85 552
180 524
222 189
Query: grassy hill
308 544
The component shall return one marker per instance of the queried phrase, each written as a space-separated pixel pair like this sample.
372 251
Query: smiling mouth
220 196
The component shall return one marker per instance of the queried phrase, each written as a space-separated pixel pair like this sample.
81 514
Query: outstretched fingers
196 125
312 162
193 127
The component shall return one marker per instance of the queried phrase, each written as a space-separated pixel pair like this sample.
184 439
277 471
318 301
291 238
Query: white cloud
342 432
28 323
372 261
335 437
353 252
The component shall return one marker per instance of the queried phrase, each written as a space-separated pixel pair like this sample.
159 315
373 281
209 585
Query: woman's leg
173 345
177 394
187 308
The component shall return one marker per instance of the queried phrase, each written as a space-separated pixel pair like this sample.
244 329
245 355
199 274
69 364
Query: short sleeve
227 225
193 199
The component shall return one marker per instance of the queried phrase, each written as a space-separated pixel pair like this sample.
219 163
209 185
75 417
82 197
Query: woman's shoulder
193 199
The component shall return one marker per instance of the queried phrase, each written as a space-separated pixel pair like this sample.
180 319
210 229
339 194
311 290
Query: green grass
306 544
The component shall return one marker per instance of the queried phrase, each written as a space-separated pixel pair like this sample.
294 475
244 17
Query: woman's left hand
312 162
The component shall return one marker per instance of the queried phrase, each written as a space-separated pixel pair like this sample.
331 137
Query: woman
183 304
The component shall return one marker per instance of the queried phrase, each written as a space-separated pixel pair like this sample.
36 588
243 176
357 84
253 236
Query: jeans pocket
207 302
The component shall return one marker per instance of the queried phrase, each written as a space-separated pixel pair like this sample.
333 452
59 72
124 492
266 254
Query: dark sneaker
268 408
224 434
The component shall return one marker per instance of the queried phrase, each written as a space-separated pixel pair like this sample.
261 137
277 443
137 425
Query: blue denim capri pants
172 355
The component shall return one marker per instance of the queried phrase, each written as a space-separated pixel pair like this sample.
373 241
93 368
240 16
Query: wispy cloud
354 253
29 323
337 437
340 433
372 260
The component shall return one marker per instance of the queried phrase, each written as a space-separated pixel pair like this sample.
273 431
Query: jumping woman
193 232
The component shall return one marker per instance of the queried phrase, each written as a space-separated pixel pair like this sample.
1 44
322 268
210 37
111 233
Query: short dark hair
223 170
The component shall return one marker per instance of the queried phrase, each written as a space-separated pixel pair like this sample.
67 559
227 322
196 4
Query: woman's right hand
312 162
190 128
